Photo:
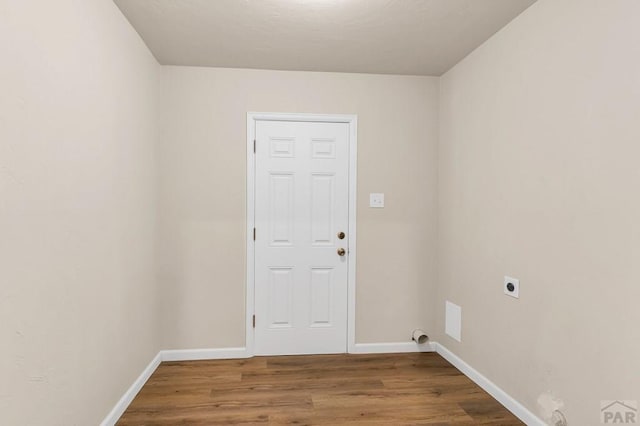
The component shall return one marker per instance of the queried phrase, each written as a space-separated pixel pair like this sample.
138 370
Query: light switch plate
376 200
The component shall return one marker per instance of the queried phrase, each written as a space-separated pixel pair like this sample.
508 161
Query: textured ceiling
421 37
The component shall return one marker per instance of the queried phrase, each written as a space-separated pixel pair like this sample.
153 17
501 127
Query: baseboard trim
390 348
492 389
130 394
203 354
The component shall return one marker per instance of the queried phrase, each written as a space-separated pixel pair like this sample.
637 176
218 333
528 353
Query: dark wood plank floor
388 389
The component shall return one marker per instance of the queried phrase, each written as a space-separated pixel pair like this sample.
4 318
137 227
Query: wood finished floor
388 389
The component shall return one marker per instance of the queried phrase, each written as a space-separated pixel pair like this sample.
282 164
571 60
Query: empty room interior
329 212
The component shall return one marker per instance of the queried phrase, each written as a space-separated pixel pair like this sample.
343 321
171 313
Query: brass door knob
341 252
341 235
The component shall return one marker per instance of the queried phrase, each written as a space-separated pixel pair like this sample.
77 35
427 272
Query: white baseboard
203 354
492 389
123 403
390 348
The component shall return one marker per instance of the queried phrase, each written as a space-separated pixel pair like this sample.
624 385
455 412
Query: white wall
539 179
77 210
203 184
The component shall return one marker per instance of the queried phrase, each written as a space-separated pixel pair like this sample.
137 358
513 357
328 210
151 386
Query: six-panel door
301 206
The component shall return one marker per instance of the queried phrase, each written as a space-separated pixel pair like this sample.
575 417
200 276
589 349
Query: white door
301 219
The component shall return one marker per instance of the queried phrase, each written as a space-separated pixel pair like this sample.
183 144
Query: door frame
352 121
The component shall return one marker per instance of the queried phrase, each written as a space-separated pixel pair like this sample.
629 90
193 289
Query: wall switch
512 287
376 200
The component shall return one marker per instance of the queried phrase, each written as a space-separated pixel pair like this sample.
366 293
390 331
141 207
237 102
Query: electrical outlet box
512 287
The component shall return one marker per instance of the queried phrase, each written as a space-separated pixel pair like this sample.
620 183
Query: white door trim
352 121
